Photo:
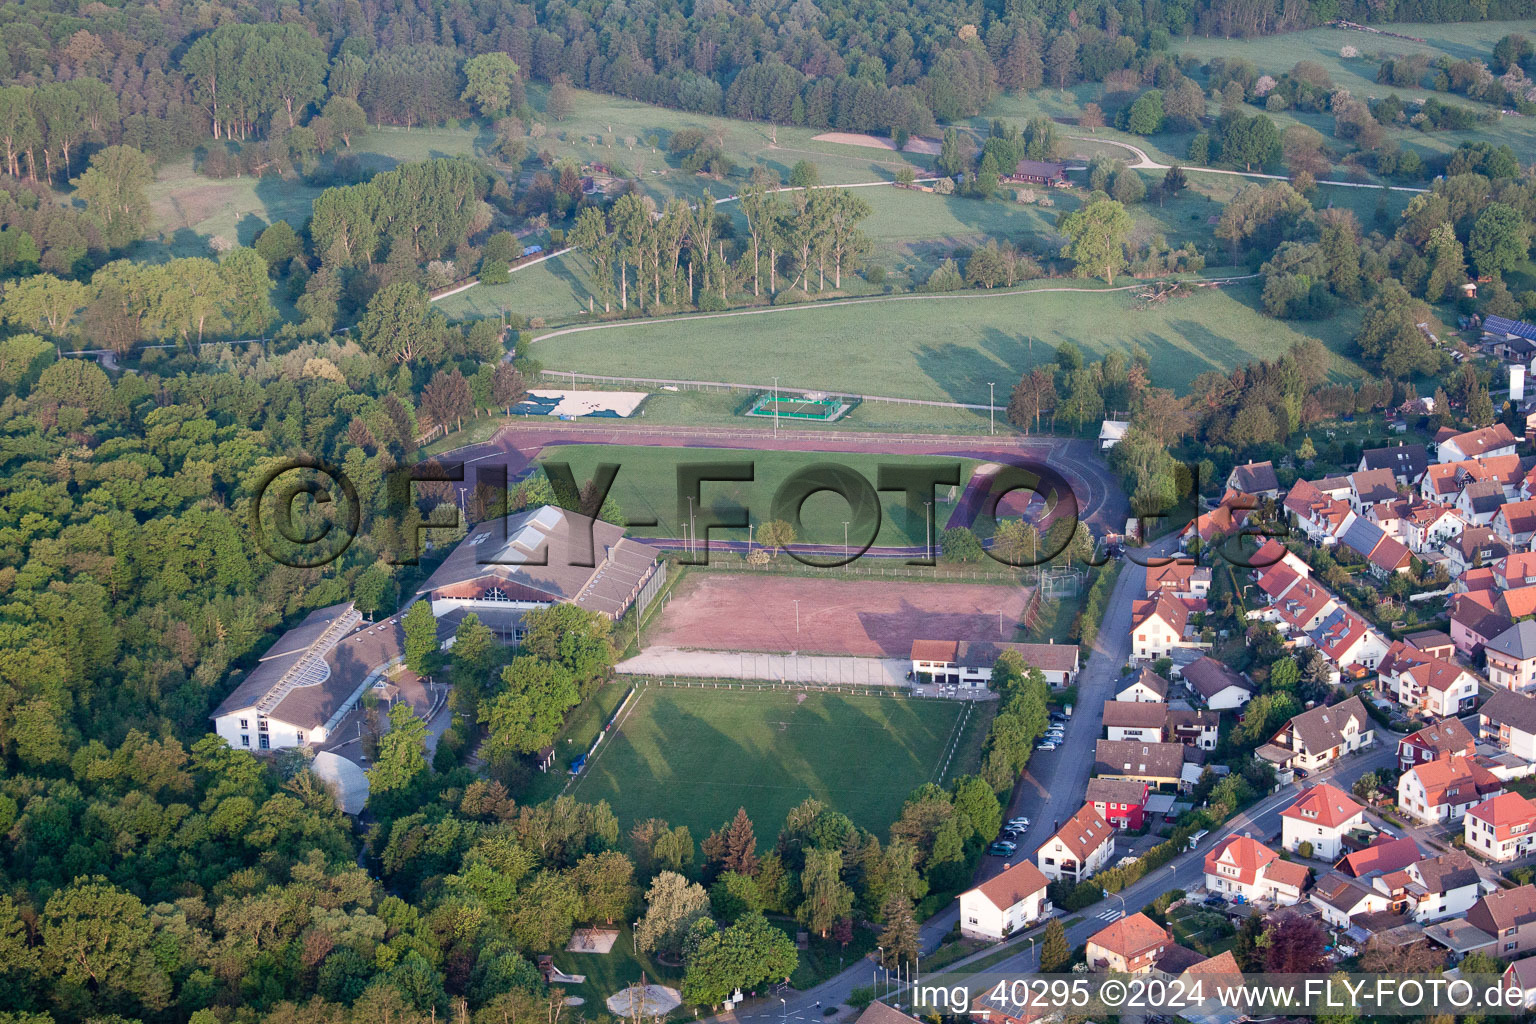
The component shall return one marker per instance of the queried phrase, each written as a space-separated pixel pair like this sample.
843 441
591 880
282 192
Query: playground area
866 618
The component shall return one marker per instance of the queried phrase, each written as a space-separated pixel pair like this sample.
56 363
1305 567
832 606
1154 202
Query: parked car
1301 773
1213 900
1045 745
1001 848
1020 821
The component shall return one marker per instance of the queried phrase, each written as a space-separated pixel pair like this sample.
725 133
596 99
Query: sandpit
655 1000
592 940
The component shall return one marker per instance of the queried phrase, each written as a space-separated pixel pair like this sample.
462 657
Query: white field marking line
954 741
574 783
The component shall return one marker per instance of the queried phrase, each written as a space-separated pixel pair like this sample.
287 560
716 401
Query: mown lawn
693 756
944 348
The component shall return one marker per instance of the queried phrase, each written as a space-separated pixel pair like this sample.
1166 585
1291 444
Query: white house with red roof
1160 625
1129 946
1346 639
1004 904
1179 578
1321 816
1272 553
1444 790
1485 442
1315 514
1079 848
1502 828
1427 527
1243 866
1426 684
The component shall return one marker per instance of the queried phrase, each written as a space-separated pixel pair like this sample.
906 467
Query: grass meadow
694 755
944 347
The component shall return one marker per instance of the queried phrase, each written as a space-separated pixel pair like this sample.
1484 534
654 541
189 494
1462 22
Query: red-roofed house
1079 848
1482 443
1222 521
1501 829
1434 742
1129 946
1121 802
1515 523
1180 579
1517 570
1426 684
1426 527
1382 855
1315 514
1272 554
1004 904
1444 790
1320 816
1159 626
1243 866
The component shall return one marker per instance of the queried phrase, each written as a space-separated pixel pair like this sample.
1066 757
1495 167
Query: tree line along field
647 488
946 347
693 755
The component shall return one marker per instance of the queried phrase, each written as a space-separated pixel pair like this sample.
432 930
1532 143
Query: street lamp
991 407
1122 902
845 540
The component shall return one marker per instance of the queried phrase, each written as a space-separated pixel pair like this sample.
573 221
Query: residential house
1194 728
1407 462
1474 444
1510 657
1516 604
1515 523
969 663
1256 479
1431 686
1371 487
1082 846
1445 789
1159 626
1509 915
1318 737
1346 639
1038 172
1156 764
1432 890
1502 828
1443 739
1005 903
1474 621
1130 945
1383 856
1315 514
1520 977
1221 688
1474 546
1508 719
1243 866
1121 802
1142 685
1135 720
1179 578
1340 899
1442 482
1515 571
1433 642
1479 501
1427 528
1320 817
1272 553
1221 521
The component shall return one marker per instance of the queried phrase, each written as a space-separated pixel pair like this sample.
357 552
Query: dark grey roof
1518 641
1448 871
1405 460
1320 728
1484 496
1154 682
292 652
1254 478
1146 759
1362 536
1506 707
1209 677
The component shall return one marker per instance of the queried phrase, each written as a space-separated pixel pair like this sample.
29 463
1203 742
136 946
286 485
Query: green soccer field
693 755
647 488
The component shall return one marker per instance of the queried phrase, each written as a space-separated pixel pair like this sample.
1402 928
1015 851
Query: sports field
694 755
647 488
871 618
944 348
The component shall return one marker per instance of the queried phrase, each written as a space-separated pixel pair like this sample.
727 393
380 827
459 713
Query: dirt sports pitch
872 618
